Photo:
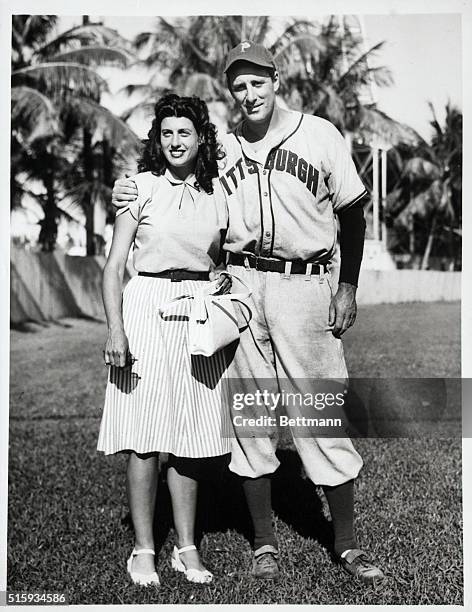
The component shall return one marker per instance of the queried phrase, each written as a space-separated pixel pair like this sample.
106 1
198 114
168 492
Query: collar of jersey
261 156
190 181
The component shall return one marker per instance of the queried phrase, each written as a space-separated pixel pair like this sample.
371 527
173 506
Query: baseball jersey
283 198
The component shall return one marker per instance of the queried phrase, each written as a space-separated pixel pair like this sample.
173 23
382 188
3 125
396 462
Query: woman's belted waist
176 276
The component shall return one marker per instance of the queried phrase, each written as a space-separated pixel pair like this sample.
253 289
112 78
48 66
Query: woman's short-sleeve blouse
180 226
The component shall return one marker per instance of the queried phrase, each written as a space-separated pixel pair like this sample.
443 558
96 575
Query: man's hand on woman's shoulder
124 191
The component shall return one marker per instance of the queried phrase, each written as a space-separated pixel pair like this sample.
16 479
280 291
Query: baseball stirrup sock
341 507
259 503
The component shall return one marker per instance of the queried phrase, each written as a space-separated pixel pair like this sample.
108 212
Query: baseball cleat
357 563
264 564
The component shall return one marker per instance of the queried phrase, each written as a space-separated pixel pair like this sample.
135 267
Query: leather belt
274 265
176 276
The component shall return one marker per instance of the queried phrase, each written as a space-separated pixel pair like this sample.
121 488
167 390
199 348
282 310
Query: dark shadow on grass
83 317
296 502
28 327
33 327
92 319
222 505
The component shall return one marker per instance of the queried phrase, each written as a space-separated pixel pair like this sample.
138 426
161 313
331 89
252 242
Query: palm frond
82 35
19 188
420 168
306 38
83 192
328 104
18 44
59 77
396 159
259 29
146 108
205 87
360 76
422 204
95 116
381 75
142 39
294 29
144 89
33 113
360 62
416 206
186 40
377 124
394 201
32 29
434 122
160 57
231 30
94 55
445 203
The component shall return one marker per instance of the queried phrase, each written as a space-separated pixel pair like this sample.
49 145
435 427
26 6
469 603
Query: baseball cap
249 51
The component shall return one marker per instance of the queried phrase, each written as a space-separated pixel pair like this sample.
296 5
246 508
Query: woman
159 398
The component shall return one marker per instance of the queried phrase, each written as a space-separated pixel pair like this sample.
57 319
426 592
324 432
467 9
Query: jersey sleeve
221 203
344 184
143 181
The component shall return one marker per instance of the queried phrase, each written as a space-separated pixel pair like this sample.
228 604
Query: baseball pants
286 339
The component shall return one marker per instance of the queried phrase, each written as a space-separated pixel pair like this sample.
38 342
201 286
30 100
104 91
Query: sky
422 51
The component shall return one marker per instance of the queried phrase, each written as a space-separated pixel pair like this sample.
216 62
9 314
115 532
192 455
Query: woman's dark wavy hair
209 149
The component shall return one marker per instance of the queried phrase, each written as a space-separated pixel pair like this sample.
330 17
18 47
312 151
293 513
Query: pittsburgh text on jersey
281 160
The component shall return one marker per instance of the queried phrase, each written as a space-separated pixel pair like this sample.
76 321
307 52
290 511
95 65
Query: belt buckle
256 262
174 276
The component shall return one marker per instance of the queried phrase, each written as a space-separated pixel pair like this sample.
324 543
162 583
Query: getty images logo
244 46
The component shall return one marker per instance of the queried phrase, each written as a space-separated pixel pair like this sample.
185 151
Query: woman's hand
116 348
223 283
116 351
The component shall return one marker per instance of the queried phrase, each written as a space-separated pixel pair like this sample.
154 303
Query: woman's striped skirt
169 400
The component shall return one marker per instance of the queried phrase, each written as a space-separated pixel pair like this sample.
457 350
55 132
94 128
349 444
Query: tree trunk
88 203
48 232
107 165
429 245
452 259
411 231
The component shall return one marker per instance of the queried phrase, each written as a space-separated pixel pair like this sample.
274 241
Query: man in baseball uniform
286 177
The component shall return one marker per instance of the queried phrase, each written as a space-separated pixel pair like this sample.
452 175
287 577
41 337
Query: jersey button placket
267 236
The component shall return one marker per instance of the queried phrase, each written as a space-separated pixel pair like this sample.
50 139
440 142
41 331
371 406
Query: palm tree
324 68
191 51
334 78
55 85
430 188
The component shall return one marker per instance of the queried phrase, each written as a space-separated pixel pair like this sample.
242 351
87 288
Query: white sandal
192 574
138 577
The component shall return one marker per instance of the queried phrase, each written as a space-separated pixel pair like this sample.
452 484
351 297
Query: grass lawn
68 521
